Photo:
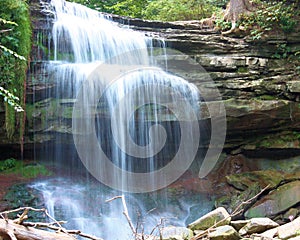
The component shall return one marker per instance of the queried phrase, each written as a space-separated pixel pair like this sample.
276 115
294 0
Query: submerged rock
219 215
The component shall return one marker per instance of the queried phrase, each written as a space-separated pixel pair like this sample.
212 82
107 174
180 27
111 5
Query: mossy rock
243 181
19 196
233 201
281 140
277 201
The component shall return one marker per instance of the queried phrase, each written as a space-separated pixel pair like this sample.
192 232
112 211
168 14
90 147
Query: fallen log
12 231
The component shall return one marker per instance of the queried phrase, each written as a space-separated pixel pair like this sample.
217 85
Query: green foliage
282 51
174 10
95 4
270 15
131 8
220 22
7 22
31 170
282 139
8 164
12 53
164 10
15 45
11 99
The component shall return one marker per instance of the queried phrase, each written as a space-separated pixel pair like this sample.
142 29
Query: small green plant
8 164
34 170
270 15
282 51
175 10
31 170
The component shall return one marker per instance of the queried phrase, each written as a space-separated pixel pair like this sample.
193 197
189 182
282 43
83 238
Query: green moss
26 170
7 164
67 112
13 70
267 97
279 140
33 171
242 70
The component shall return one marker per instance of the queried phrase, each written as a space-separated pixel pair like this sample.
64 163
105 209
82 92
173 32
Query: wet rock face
260 93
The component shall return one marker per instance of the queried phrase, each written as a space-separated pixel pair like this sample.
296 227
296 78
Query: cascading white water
140 98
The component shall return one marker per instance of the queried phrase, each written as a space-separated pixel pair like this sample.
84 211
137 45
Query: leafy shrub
270 15
15 46
8 164
174 10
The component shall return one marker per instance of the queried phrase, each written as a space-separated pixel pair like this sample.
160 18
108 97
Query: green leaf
13 53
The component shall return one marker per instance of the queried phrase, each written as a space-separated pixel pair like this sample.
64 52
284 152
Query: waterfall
134 124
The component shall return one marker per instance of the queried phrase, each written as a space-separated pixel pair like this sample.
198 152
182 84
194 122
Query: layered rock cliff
259 87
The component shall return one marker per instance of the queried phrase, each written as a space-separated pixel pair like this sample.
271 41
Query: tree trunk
11 231
234 10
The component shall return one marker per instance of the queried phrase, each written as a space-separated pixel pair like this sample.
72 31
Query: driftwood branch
235 212
19 230
50 226
13 231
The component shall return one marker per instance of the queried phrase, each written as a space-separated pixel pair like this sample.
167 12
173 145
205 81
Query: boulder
293 86
224 233
269 233
277 201
288 230
291 214
219 215
238 224
176 233
295 238
257 225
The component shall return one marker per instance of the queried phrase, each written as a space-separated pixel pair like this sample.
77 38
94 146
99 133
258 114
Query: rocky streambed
259 204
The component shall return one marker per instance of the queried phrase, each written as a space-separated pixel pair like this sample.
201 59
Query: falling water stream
83 40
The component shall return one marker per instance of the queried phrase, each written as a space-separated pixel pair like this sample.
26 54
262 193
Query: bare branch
5 30
22 217
125 212
112 199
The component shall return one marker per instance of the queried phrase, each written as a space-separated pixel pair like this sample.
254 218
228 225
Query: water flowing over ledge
135 126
